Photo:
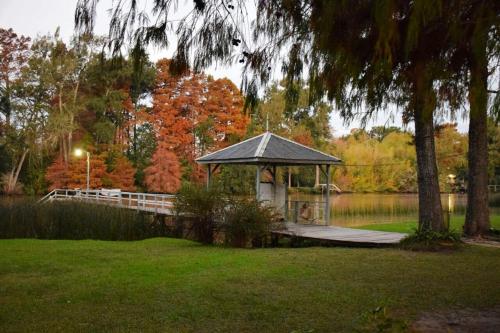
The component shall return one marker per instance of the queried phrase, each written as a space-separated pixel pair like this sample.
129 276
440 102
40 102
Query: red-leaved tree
164 173
58 175
123 175
74 175
195 114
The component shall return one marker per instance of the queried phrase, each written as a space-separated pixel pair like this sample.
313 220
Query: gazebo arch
268 151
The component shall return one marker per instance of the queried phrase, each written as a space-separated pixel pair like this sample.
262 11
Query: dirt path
459 321
481 242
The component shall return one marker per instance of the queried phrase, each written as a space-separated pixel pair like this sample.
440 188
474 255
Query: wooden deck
342 236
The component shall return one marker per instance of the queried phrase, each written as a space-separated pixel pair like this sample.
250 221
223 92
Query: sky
40 17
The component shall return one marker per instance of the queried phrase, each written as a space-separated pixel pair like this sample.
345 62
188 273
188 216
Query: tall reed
75 220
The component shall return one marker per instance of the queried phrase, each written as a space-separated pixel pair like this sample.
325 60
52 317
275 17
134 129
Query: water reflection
359 209
451 202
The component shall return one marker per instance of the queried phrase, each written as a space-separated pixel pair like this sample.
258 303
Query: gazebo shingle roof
268 148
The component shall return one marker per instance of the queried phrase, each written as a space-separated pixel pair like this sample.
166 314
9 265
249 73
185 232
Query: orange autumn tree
164 173
78 172
304 138
194 114
123 175
176 103
223 109
57 174
74 175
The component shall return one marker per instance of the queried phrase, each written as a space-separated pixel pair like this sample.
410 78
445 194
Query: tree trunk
64 150
14 174
134 145
8 186
477 215
8 110
19 167
72 116
430 212
70 135
423 103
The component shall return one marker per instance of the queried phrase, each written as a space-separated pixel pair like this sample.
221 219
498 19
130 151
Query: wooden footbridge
147 202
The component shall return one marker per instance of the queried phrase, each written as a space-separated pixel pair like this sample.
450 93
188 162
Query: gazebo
268 151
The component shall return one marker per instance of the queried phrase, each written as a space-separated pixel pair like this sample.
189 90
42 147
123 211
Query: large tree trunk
477 215
430 212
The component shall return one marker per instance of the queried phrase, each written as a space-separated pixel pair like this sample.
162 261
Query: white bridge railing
494 188
158 203
333 188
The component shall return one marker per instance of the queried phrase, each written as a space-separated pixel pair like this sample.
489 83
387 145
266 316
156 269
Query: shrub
75 220
427 240
201 209
247 221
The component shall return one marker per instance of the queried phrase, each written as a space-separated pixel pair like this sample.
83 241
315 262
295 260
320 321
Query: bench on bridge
112 192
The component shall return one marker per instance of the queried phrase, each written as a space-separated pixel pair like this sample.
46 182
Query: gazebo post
274 181
209 174
286 195
327 205
257 183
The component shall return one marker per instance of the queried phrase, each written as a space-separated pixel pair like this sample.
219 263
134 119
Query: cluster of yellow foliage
388 163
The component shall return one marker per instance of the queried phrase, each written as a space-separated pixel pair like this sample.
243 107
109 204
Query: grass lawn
175 285
456 223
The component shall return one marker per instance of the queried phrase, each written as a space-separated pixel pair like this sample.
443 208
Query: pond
355 209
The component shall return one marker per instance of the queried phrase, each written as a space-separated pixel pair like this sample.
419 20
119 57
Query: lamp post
79 153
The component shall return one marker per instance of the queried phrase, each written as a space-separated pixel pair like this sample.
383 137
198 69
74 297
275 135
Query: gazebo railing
307 212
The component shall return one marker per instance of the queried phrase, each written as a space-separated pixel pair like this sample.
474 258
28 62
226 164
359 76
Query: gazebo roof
268 148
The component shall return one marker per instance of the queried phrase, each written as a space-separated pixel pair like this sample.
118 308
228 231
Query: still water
360 209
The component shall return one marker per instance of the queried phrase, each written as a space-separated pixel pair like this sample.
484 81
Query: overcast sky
39 17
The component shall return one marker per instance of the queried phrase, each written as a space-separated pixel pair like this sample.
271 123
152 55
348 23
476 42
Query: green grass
456 223
172 285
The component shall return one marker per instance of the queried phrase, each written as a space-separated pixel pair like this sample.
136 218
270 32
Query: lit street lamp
79 153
